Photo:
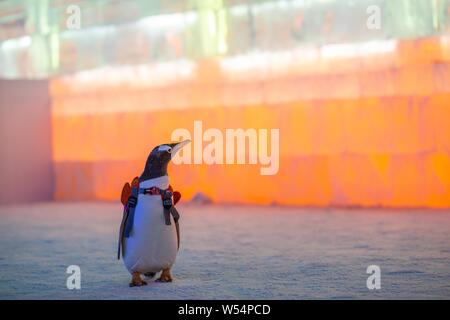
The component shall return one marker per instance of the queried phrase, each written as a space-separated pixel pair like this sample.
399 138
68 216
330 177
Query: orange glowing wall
353 132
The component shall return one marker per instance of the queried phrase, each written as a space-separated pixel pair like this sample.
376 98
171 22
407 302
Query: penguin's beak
177 146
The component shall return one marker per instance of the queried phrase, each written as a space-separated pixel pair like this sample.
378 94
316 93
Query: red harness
153 191
129 200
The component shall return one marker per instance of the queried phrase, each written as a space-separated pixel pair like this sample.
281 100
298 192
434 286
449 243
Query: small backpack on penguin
129 199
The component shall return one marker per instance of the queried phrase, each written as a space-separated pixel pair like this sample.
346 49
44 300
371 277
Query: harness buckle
167 199
132 202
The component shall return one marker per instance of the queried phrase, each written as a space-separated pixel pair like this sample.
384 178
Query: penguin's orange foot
164 279
165 276
136 280
138 284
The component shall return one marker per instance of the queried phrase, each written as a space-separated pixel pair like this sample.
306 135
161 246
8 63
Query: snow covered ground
230 252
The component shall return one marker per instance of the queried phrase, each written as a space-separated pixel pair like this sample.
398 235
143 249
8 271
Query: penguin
152 243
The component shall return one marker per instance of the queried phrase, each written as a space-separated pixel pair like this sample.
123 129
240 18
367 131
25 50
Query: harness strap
169 209
132 202
129 201
128 215
166 197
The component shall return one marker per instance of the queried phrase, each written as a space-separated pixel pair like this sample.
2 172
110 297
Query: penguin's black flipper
125 196
176 217
121 233
175 214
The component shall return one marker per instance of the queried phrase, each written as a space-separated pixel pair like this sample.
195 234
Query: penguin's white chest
152 245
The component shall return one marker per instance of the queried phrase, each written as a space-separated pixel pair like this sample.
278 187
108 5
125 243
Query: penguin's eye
165 148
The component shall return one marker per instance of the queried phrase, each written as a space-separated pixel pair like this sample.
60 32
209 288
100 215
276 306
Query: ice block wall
358 127
26 162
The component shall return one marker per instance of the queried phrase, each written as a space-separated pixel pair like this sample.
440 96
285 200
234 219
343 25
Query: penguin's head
158 159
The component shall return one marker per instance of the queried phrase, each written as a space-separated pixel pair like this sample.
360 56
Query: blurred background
363 113
360 93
